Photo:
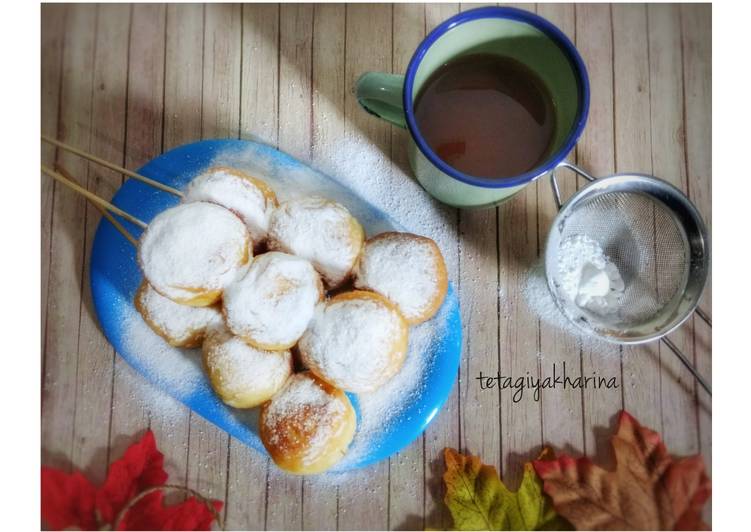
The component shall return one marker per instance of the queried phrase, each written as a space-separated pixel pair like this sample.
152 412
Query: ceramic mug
504 31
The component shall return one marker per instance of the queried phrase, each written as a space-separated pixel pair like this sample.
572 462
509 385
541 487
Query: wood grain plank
135 405
363 501
677 387
319 494
183 75
696 26
445 431
52 34
295 63
208 446
182 123
284 505
561 408
95 356
596 154
480 427
246 494
67 245
406 468
518 244
260 73
641 364
696 32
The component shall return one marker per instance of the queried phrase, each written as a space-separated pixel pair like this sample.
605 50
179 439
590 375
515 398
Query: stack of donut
253 281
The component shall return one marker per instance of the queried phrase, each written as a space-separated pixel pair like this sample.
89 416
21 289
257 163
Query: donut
407 269
356 341
241 375
248 197
180 325
191 252
308 426
271 306
320 230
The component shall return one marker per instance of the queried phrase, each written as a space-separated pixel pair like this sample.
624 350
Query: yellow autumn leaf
478 500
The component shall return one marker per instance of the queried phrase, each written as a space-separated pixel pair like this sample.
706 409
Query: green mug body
503 31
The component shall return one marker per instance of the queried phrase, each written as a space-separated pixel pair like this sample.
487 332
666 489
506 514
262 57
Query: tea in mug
486 115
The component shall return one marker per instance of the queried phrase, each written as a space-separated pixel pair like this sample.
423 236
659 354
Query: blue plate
432 363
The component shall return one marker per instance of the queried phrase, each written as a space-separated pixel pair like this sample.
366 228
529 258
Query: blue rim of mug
557 36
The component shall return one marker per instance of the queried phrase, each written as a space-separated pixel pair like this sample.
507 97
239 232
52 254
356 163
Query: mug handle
380 94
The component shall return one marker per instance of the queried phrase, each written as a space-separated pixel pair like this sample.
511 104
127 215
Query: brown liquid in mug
487 116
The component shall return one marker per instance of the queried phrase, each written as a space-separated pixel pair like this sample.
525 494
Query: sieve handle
554 181
689 366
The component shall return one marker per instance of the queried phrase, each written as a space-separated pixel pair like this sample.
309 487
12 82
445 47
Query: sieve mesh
649 247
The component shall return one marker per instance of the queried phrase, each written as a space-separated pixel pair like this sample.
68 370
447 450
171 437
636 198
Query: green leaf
478 500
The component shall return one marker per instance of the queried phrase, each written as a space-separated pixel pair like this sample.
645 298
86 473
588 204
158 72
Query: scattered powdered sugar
150 399
403 268
381 408
274 302
352 342
176 370
242 369
237 193
587 277
319 230
193 247
177 322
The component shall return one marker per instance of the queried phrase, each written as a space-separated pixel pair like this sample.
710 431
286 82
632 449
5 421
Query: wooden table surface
129 82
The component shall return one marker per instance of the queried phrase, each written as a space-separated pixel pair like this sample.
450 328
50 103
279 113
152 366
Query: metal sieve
657 240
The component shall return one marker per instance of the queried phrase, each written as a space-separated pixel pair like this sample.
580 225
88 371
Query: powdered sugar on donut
178 322
242 368
316 414
319 230
404 268
193 247
236 193
351 342
274 302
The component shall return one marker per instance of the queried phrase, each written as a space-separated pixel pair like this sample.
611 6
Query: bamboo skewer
93 197
107 164
130 238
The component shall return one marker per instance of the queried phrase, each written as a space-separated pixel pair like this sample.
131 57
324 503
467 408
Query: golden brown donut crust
396 355
194 339
215 370
264 187
439 294
204 296
289 441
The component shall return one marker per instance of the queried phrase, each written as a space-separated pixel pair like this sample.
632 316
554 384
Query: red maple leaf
70 500
141 467
67 500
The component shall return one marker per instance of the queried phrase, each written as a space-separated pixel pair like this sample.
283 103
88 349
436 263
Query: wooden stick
130 238
107 164
93 197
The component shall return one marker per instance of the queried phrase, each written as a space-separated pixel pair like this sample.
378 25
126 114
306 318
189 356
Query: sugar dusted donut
191 252
407 269
271 306
242 375
308 426
356 341
248 197
180 325
320 230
